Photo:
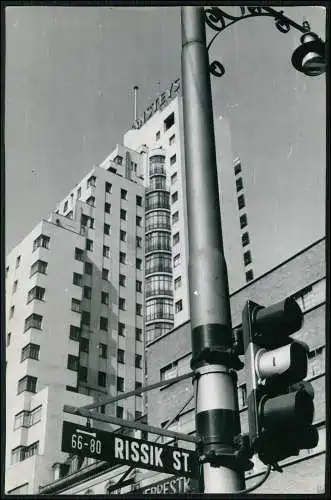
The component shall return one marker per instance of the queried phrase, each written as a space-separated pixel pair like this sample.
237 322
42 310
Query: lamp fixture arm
218 21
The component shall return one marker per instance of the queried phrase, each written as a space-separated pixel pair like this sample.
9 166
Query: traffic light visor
276 322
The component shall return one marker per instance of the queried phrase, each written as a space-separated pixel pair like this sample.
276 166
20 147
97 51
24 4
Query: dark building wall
306 475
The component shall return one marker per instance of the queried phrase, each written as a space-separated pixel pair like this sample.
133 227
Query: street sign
171 485
116 448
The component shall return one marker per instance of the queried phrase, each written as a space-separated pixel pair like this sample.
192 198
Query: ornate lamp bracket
218 21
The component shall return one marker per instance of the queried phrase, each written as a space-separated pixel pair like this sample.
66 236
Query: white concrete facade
81 268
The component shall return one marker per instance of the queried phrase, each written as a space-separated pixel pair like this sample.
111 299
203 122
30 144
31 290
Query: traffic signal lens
281 319
289 361
287 411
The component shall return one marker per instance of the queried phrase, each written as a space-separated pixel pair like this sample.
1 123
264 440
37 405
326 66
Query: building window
75 305
105 274
118 160
79 193
89 245
87 294
138 385
103 323
86 318
249 275
88 268
237 168
172 140
157 135
138 242
105 298
18 261
79 254
120 387
103 350
82 374
243 221
158 285
123 214
41 241
124 194
72 363
173 159
16 456
30 351
139 201
33 321
91 181
138 309
177 260
107 208
138 220
242 395
239 184
119 414
11 312
102 379
37 292
121 329
178 306
169 121
27 383
91 201
77 279
31 450
138 263
14 286
39 266
122 280
139 334
121 304
247 258
106 229
120 356
175 239
122 257
245 239
178 282
8 339
139 286
106 251
74 333
27 418
174 197
241 201
138 361
173 178
103 409
108 187
137 415
84 345
122 235
311 296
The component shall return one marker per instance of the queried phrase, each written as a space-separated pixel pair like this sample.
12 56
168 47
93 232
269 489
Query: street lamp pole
213 360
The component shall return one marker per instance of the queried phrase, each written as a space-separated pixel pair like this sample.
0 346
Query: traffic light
280 403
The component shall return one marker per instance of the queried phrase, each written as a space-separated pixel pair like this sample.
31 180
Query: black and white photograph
164 230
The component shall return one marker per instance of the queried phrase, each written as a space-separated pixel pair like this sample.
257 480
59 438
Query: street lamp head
309 57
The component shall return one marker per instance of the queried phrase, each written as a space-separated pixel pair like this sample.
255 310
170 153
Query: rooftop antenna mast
135 89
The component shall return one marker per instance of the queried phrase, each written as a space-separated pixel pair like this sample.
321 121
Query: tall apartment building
104 276
74 324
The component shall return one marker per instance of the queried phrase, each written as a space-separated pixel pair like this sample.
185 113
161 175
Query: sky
70 72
